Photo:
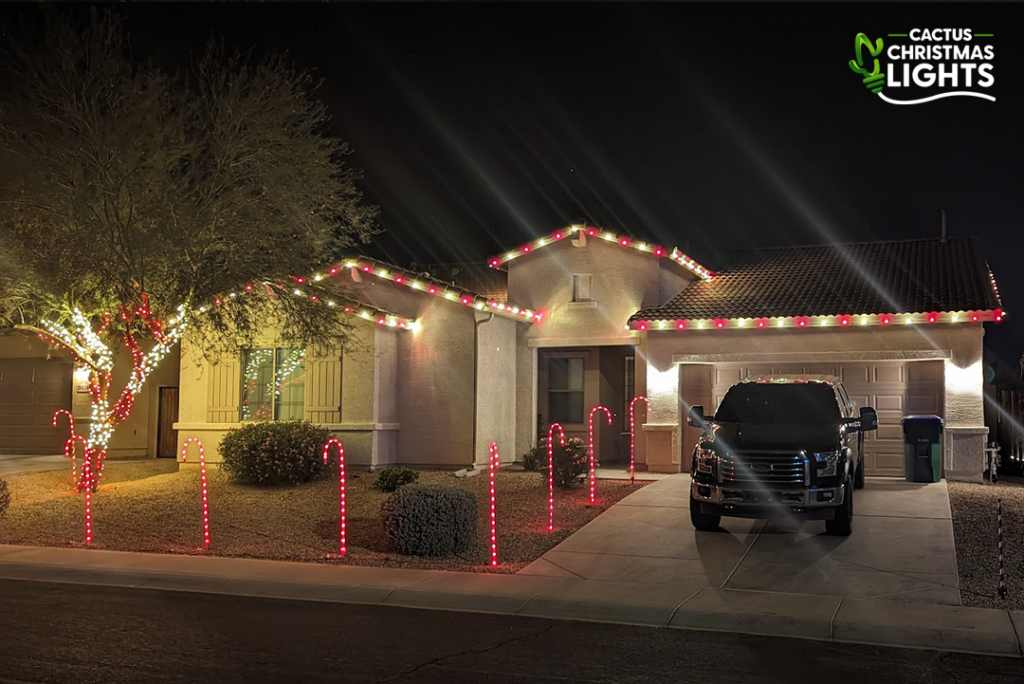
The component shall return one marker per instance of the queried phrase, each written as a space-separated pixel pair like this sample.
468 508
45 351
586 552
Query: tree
136 203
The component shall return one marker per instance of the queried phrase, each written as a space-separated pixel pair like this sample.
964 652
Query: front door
167 436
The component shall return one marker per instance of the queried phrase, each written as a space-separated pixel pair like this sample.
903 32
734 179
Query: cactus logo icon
926 65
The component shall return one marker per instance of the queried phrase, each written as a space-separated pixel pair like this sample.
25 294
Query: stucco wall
623 281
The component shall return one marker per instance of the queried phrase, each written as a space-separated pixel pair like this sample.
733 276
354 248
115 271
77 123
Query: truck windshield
803 403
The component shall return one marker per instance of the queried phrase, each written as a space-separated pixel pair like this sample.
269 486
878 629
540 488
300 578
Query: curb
681 606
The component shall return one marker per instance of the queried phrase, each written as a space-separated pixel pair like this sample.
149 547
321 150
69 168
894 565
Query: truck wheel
703 521
842 524
858 477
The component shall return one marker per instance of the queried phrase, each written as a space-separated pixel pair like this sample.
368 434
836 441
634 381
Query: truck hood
741 436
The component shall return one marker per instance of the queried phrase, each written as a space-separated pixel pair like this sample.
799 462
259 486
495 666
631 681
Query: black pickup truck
781 446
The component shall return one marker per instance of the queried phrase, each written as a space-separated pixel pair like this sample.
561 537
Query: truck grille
764 468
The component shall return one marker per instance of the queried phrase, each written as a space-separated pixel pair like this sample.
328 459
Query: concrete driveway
901 548
14 463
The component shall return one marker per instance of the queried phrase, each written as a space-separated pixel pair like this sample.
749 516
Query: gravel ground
974 528
152 506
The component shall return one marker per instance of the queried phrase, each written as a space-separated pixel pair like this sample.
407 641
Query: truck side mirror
695 418
868 419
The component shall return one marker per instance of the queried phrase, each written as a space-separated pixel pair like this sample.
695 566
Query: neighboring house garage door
894 389
31 390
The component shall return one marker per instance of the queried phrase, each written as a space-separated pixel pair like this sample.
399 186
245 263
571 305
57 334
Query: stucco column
526 400
966 433
384 442
661 428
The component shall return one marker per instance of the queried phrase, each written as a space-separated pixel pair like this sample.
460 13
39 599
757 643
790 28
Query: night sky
714 128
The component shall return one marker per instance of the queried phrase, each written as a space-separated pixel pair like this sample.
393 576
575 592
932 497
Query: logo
925 65
762 467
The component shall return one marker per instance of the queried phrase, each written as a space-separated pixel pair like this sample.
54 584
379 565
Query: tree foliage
123 184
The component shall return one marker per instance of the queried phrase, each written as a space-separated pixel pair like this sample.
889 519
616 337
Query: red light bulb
624 242
526 248
681 325
658 251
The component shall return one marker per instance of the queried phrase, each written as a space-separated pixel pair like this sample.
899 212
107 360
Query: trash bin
922 448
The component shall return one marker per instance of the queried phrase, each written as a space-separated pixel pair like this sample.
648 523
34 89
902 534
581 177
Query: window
273 384
628 389
753 402
565 390
581 288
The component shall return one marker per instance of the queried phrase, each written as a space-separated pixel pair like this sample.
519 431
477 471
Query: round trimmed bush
430 520
267 454
5 497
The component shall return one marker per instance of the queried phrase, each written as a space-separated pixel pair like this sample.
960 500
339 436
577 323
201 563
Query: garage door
894 389
31 390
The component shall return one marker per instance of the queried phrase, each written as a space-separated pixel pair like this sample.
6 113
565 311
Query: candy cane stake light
202 472
69 445
87 477
70 452
493 463
593 469
551 471
632 433
342 545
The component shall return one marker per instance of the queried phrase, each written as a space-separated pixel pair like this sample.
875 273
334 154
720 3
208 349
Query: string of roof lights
585 231
841 321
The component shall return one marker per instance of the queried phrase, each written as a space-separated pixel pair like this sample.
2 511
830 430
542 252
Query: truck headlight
705 460
827 463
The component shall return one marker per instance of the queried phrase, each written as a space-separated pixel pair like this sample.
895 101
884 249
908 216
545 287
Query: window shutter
323 386
223 392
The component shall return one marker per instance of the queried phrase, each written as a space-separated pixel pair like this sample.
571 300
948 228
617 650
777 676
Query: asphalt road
82 634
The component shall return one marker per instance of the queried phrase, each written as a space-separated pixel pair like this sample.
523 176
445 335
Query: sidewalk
948 628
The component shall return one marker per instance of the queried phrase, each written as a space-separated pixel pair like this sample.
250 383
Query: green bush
391 478
536 458
430 520
268 454
5 497
572 462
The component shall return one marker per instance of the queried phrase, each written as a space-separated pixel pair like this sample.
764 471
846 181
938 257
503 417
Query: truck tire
842 524
703 521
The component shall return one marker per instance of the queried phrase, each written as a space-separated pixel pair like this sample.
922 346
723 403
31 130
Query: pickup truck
780 446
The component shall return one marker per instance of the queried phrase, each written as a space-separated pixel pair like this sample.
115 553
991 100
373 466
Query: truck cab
780 446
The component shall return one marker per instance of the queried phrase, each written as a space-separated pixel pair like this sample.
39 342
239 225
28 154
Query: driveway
14 463
901 548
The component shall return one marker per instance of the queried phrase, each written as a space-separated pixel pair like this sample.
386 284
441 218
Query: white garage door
894 389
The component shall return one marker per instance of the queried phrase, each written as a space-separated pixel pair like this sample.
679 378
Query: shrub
536 458
267 454
572 462
430 520
5 497
391 478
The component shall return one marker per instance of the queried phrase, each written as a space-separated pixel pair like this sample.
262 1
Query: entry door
167 436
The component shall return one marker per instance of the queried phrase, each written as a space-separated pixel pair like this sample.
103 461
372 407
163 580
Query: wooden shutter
323 386
223 392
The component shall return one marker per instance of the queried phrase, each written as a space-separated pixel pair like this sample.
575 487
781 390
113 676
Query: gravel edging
974 530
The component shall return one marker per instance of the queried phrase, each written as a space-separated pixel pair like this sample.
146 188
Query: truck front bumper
745 501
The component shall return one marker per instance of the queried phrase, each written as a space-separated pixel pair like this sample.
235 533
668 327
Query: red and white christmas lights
342 543
551 471
70 452
809 322
69 445
202 475
632 432
493 463
593 461
87 482
582 233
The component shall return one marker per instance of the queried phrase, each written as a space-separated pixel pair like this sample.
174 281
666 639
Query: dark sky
713 128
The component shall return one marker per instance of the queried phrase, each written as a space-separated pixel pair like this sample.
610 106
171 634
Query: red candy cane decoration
593 470
342 545
69 445
87 477
493 463
202 472
632 433
70 452
551 472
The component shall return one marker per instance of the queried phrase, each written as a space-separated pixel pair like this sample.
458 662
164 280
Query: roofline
816 321
432 286
583 231
855 243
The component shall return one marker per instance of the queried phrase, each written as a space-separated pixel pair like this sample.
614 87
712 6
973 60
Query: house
442 363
